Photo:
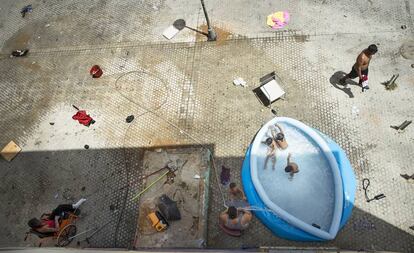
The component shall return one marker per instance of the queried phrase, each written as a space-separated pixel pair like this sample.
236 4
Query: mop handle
149 186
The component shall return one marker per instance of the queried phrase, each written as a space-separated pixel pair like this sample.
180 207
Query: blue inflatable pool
313 204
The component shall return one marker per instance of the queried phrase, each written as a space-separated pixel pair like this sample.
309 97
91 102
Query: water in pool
309 196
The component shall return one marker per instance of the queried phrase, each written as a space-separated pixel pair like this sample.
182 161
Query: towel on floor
83 118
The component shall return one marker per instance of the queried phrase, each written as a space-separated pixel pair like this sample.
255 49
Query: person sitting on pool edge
291 167
235 218
279 137
50 223
271 152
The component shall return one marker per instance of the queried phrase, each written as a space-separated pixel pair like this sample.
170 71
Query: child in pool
279 136
271 152
291 167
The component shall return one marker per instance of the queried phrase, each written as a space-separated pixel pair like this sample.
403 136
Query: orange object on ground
96 71
157 221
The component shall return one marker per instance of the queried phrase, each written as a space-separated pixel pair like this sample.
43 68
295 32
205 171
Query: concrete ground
181 94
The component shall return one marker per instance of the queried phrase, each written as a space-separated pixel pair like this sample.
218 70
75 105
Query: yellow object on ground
10 151
156 222
278 19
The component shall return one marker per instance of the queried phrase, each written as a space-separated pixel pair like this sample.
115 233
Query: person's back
236 219
291 167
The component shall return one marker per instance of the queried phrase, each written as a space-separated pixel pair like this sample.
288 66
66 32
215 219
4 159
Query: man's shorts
354 74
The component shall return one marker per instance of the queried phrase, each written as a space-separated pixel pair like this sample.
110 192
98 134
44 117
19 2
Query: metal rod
96 230
211 34
149 186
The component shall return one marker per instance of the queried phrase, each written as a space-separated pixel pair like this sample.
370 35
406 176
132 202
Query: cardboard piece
10 151
170 32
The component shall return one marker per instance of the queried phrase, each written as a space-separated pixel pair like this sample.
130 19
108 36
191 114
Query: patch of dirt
222 35
144 225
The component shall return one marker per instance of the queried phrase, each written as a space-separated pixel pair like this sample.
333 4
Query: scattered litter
407 177
365 184
38 37
239 82
56 195
19 53
155 7
67 194
51 123
96 71
403 27
278 19
225 175
173 29
47 25
403 125
170 32
129 119
390 84
86 146
158 150
26 9
33 62
82 117
10 151
274 112
355 112
196 177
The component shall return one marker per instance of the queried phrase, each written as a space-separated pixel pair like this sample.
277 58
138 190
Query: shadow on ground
335 81
363 231
36 182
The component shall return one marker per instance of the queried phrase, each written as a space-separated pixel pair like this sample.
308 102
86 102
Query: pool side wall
348 177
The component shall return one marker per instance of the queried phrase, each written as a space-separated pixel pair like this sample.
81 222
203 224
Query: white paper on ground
239 81
170 32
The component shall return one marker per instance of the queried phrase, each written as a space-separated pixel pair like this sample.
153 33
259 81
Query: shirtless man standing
360 68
